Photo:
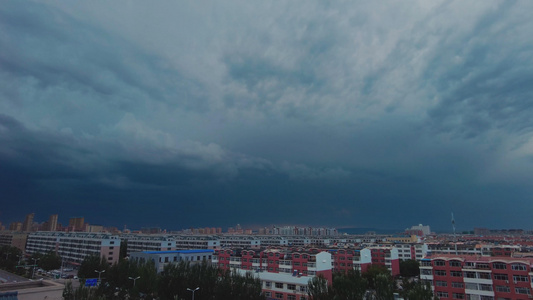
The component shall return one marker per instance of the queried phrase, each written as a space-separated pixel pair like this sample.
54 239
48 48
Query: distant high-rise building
76 223
95 228
52 223
15 226
28 222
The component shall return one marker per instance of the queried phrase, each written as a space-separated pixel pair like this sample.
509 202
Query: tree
123 249
81 293
384 287
419 291
350 285
318 289
409 268
372 273
9 257
90 264
214 283
50 261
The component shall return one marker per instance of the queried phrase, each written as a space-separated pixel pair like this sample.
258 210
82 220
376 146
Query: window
279 296
518 267
442 294
503 289
268 294
440 273
279 285
268 284
485 287
499 266
439 263
458 285
456 273
500 276
458 296
520 278
291 297
291 287
455 263
522 290
111 253
441 283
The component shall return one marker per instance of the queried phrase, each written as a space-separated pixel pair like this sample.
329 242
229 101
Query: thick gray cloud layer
191 114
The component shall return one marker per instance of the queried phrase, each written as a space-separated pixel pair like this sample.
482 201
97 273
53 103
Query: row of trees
172 284
12 260
376 283
9 258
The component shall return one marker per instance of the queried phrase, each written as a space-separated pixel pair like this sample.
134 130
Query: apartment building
478 277
163 258
139 243
15 239
303 262
347 259
239 241
197 241
386 256
411 251
283 274
75 246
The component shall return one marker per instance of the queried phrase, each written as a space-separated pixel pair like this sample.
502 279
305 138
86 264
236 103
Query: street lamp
34 265
188 289
99 273
134 279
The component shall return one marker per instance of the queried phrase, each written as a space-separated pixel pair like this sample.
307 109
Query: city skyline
375 115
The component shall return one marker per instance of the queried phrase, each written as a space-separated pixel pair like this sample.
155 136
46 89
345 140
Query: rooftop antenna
454 235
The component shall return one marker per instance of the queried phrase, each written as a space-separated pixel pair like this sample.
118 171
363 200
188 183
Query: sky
177 114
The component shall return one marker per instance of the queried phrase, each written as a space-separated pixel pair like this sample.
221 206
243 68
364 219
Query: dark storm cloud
333 114
482 75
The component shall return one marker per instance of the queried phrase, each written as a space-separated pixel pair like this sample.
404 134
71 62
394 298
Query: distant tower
76 223
52 223
28 222
454 235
